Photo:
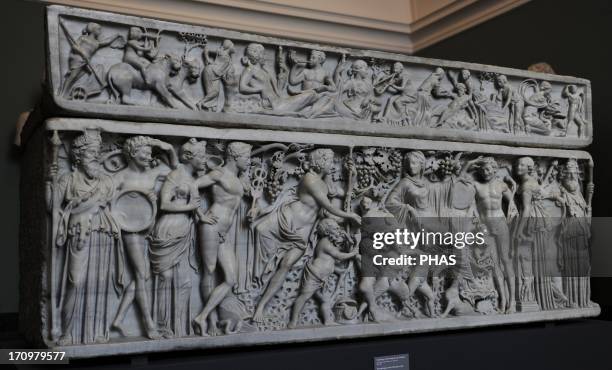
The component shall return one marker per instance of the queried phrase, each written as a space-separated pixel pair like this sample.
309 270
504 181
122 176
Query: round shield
134 211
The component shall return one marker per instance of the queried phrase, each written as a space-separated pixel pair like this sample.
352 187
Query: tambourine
114 161
214 161
133 210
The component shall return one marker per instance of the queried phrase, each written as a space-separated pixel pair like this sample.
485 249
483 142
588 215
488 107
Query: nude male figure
311 74
490 193
227 192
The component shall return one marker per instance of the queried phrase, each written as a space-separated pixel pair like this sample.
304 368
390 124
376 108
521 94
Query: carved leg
298 305
503 244
367 287
72 308
418 282
228 265
326 311
126 301
164 94
164 303
135 244
71 79
290 258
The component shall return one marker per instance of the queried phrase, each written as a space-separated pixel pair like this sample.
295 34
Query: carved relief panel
108 65
162 236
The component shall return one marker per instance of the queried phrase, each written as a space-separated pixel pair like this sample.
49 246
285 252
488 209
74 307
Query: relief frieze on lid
115 66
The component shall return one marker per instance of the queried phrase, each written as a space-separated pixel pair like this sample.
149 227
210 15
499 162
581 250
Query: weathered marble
144 237
214 188
104 65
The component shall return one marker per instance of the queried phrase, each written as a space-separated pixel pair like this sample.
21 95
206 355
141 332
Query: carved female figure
281 236
142 176
429 89
533 230
255 79
409 202
89 233
357 94
508 98
540 110
575 234
218 73
396 83
461 112
172 242
227 192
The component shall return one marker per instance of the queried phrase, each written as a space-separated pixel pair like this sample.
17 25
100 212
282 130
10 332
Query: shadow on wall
22 38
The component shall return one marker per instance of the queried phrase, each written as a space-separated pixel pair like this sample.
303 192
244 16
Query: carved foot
452 304
153 334
259 316
100 340
214 330
65 340
511 308
166 333
331 323
292 325
200 327
379 315
121 330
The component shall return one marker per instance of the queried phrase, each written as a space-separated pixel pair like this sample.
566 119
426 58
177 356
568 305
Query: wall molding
403 26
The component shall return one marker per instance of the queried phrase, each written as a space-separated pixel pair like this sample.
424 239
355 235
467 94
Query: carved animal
122 78
232 314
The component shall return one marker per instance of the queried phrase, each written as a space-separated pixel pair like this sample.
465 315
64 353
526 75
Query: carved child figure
139 51
282 236
316 272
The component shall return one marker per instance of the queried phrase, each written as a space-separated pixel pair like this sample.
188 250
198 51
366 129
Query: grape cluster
298 171
446 166
274 187
365 175
395 157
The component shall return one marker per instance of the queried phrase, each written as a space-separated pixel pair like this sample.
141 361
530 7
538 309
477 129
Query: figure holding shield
138 186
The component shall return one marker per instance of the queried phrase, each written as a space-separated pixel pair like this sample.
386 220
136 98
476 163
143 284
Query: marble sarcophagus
187 187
